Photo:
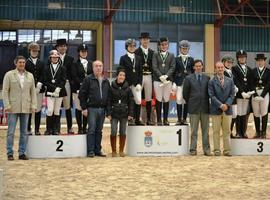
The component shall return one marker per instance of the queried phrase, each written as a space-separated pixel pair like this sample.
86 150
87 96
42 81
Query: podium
250 147
157 140
1 183
56 146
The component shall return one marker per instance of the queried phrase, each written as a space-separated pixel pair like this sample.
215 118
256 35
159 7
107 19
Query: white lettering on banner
58 146
157 140
249 147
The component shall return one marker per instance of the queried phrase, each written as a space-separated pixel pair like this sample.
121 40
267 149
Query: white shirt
21 78
54 66
229 71
84 63
145 51
163 53
184 57
131 56
261 68
243 67
62 56
34 60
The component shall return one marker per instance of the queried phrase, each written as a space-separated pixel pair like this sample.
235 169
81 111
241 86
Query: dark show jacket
180 72
78 74
60 80
159 70
37 71
133 78
146 69
238 78
67 63
265 81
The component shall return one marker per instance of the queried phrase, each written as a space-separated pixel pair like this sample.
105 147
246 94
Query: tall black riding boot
56 125
78 115
148 113
264 125
238 126
158 110
185 112
257 122
85 125
138 115
49 126
165 114
37 122
69 121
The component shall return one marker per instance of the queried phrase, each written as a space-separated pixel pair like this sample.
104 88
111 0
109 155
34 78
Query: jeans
12 122
122 128
96 117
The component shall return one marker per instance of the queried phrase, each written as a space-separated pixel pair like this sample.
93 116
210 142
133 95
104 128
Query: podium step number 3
59 146
249 147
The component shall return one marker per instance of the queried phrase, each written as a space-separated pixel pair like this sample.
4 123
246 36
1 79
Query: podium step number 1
157 140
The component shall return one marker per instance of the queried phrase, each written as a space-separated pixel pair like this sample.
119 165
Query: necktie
221 82
199 78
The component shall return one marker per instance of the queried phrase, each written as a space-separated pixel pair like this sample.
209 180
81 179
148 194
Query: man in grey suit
221 93
195 93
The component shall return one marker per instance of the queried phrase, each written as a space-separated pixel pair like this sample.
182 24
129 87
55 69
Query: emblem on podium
148 140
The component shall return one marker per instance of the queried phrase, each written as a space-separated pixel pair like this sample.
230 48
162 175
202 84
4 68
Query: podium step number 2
59 146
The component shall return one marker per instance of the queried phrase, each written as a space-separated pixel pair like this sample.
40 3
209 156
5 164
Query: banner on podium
157 140
56 146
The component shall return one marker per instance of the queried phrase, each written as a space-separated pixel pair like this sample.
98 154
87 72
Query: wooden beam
229 10
256 13
225 16
109 16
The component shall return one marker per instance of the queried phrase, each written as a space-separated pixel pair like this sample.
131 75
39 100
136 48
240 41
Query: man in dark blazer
146 55
80 70
221 93
195 93
67 61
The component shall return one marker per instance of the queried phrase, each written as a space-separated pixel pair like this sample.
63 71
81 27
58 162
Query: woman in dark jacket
121 108
54 81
